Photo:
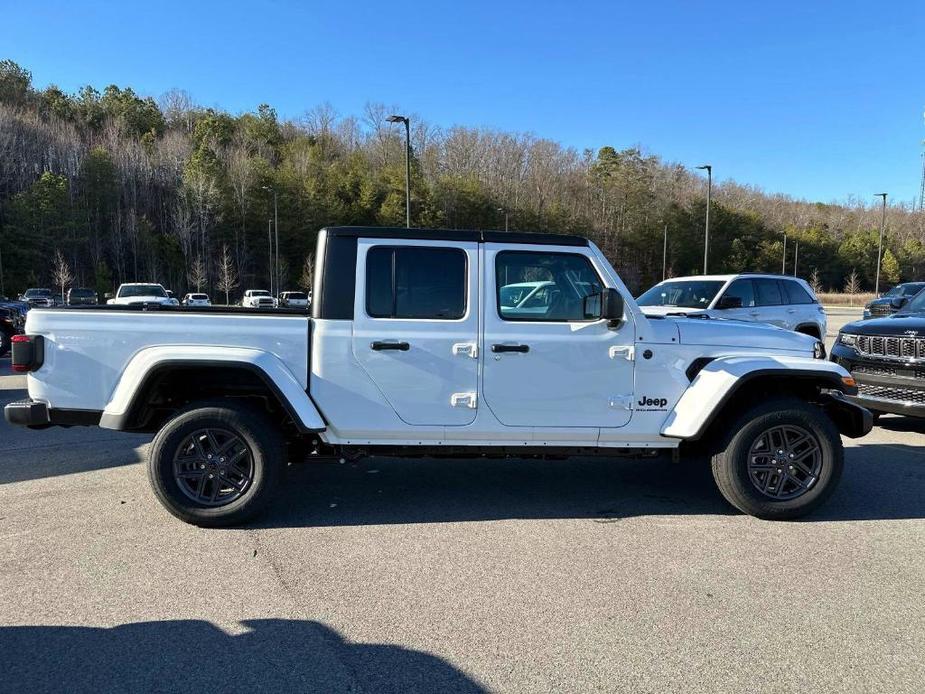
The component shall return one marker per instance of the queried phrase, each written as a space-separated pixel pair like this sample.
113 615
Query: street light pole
501 209
880 245
706 235
783 259
270 252
275 270
664 251
407 122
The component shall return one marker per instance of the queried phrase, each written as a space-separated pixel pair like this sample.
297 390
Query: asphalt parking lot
419 575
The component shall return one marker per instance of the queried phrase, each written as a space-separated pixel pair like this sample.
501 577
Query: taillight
28 352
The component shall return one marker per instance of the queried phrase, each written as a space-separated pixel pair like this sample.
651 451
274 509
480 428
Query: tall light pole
270 252
880 245
664 251
706 235
276 239
783 259
501 209
796 257
407 122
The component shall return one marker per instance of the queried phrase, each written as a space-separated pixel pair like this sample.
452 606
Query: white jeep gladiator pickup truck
415 346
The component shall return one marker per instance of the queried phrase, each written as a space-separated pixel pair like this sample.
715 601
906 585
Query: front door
416 325
546 365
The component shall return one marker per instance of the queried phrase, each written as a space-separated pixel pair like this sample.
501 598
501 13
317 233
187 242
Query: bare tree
814 282
853 284
307 277
62 275
227 275
197 273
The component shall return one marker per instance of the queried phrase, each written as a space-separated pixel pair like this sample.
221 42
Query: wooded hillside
128 188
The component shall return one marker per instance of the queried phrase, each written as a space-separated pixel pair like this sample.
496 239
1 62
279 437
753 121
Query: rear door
801 308
416 326
770 302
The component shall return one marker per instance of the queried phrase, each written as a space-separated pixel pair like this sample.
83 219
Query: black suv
893 300
886 357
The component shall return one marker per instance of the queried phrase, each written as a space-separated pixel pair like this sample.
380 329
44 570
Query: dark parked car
886 357
79 296
11 324
893 300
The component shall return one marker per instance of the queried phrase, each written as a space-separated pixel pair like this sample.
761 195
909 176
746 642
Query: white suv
787 302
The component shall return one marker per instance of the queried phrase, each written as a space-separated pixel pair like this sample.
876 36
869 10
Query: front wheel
216 464
783 459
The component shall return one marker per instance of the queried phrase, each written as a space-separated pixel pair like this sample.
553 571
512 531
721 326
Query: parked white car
410 352
294 299
138 293
196 300
781 300
258 298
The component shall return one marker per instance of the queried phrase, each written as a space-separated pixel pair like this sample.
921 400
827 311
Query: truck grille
881 310
890 393
895 347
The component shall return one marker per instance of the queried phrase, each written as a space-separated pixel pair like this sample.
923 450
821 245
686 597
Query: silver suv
787 302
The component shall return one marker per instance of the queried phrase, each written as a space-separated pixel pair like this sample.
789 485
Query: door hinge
621 402
628 352
463 400
470 349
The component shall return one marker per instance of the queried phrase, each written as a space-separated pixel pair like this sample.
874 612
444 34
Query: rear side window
767 293
534 286
416 282
795 294
741 289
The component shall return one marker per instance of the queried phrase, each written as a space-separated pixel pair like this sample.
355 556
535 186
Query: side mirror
730 302
899 301
107 295
607 305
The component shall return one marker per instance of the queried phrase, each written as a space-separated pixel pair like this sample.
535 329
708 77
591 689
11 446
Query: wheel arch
811 329
727 385
156 383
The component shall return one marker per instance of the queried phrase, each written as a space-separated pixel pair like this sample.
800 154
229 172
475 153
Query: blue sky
817 100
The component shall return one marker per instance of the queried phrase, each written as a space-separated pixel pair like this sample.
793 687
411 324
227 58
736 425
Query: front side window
416 282
681 293
544 286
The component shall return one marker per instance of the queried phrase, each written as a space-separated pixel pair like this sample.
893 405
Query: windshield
142 290
37 293
260 292
916 304
83 292
297 295
683 294
198 297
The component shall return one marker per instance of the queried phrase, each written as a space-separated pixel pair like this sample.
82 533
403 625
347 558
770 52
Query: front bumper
895 386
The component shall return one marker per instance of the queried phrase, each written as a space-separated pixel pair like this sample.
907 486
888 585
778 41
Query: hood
732 333
881 301
899 324
666 310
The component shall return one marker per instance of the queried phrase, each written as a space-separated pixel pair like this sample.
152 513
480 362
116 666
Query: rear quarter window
795 294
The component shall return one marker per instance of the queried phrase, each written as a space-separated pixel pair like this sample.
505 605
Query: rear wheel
783 459
216 464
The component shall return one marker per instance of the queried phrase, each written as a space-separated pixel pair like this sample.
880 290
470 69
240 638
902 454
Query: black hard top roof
457 235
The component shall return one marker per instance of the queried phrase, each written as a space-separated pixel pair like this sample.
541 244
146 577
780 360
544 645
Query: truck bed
87 349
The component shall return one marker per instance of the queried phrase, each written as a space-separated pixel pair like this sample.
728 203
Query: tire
189 481
742 466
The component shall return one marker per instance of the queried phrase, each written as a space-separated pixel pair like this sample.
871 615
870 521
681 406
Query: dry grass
842 299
